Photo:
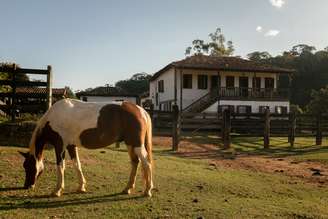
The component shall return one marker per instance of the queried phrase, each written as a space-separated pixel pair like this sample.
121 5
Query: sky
91 43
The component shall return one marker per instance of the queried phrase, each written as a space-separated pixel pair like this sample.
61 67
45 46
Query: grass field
184 188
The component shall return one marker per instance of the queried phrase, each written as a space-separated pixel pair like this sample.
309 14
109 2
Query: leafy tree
258 56
217 46
311 70
137 84
319 101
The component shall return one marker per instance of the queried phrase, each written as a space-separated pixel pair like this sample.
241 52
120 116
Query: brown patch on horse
48 135
116 123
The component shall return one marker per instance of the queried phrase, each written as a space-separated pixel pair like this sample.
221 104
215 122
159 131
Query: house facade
210 84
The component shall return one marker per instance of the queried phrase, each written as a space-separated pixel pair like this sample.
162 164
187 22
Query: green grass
184 188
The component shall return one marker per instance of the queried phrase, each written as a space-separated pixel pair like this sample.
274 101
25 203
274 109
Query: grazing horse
70 124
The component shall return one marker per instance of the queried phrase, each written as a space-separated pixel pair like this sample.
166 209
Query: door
214 82
243 86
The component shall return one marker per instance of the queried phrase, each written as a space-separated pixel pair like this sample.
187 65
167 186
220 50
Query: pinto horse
70 124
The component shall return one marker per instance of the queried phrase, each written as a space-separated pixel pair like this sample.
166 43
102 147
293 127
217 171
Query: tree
137 84
319 101
258 56
217 46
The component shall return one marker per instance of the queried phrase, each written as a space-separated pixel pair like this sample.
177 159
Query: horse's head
33 169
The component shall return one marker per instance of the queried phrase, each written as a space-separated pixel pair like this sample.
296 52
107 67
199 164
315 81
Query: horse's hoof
127 191
147 194
81 190
56 194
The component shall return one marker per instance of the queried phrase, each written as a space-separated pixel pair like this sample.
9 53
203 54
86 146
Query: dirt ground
309 171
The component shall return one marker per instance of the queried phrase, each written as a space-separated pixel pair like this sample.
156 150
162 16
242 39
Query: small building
206 83
107 94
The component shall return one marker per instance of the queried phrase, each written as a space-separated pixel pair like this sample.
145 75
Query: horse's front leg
73 152
60 156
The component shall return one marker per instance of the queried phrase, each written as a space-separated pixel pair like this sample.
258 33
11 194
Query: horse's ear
24 154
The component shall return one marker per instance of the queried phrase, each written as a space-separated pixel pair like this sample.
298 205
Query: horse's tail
149 139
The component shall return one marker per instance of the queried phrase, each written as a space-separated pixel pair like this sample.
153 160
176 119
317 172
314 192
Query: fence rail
13 82
227 125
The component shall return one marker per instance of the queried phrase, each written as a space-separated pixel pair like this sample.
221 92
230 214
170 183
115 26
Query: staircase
202 103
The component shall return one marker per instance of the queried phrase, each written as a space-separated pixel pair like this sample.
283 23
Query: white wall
168 94
255 105
110 99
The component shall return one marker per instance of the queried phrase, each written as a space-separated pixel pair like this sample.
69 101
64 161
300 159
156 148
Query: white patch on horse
70 117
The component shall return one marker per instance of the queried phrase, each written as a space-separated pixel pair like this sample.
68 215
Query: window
281 109
187 81
202 82
230 81
161 86
225 107
263 108
244 109
269 83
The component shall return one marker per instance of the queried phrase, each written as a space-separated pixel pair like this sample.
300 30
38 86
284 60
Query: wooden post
226 126
13 98
49 87
318 139
176 128
266 136
292 128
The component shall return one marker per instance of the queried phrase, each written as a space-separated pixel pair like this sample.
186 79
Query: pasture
198 181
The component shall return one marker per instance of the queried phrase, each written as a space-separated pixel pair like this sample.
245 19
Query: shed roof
224 63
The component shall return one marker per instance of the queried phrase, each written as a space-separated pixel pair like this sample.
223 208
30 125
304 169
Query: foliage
296 109
6 76
319 101
311 70
137 84
217 46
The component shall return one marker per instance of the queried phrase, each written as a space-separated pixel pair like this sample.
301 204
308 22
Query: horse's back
94 125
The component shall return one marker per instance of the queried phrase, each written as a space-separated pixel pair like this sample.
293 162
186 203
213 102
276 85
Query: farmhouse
107 94
205 83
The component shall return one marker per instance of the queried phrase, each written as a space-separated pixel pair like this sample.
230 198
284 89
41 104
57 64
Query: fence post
176 128
14 97
226 126
318 139
292 128
266 128
49 87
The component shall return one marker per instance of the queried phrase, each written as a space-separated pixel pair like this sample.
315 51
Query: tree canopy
137 84
217 46
311 70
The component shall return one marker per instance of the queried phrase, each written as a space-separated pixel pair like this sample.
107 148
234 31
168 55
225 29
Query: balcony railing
253 93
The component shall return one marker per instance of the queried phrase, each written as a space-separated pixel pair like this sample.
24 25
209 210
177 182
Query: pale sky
97 42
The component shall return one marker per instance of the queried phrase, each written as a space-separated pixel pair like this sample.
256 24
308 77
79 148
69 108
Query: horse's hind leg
73 152
146 167
134 167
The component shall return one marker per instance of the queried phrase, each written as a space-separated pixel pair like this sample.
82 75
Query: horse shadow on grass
29 202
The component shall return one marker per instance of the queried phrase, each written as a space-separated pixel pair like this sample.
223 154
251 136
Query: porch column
175 86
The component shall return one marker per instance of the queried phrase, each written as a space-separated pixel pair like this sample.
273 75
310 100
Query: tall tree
217 46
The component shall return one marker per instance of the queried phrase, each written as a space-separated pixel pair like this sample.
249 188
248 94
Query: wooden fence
13 82
227 125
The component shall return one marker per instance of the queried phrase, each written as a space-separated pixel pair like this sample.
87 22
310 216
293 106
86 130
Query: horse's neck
37 144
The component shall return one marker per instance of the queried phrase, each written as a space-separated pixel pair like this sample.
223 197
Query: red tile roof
225 63
38 90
